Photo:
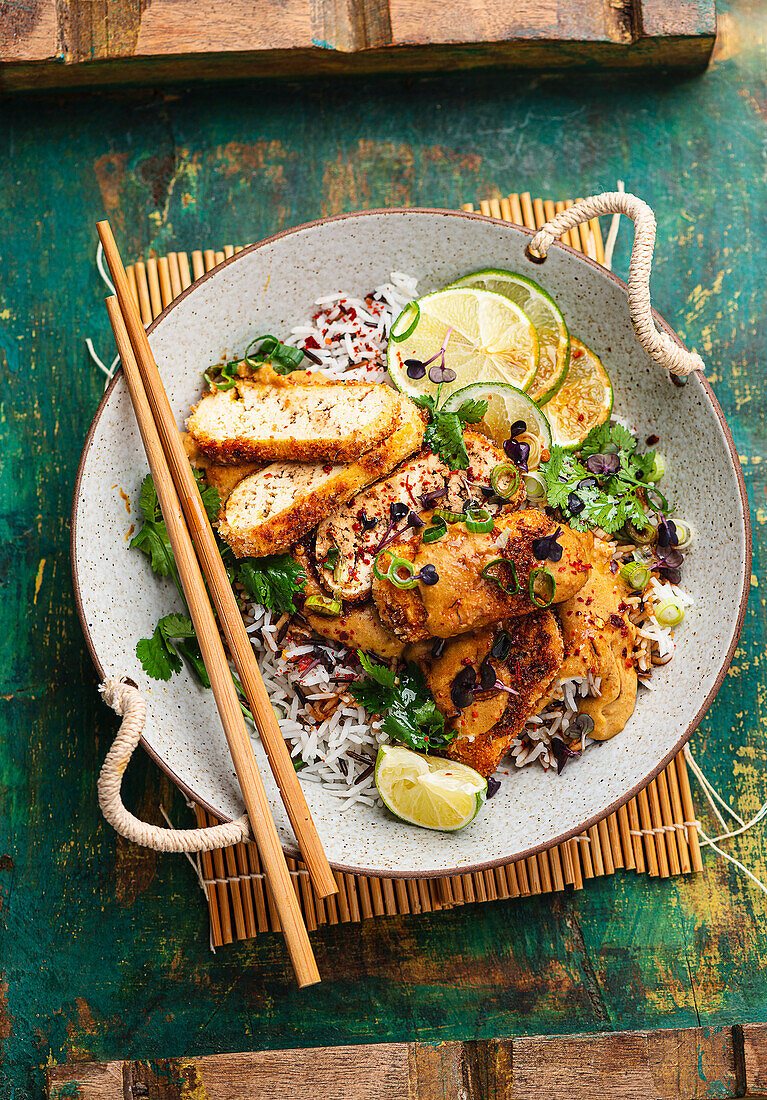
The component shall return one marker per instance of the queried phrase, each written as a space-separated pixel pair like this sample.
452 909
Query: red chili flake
310 342
624 607
652 440
304 662
581 418
577 353
616 621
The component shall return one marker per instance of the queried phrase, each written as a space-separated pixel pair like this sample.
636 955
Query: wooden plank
87 1081
754 1039
676 1064
49 44
672 1064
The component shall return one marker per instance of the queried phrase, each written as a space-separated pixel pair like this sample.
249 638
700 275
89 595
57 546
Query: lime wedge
583 402
543 311
491 340
505 406
427 790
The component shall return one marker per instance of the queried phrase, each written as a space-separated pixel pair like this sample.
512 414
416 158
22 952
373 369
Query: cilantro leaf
471 412
444 434
272 581
597 439
623 438
410 714
381 673
211 501
152 537
158 657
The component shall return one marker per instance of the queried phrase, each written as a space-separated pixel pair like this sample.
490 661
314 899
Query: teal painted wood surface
105 950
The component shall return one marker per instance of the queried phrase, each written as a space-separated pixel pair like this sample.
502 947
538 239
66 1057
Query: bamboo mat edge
654 833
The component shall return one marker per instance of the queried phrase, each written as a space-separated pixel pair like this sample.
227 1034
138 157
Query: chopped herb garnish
606 484
283 359
409 712
272 581
444 435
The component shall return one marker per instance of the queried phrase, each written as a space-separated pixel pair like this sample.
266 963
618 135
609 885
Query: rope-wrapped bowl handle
126 700
658 345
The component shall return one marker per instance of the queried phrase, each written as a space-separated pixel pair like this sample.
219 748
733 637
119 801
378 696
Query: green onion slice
684 534
448 516
535 486
323 605
534 574
409 580
504 480
668 613
405 323
478 521
658 468
223 377
435 532
497 580
641 538
394 572
636 575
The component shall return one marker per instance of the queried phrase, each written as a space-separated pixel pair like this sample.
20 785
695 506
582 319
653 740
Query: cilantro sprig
606 484
444 434
272 581
410 714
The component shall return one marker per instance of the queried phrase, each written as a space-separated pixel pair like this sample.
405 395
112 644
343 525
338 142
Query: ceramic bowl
268 288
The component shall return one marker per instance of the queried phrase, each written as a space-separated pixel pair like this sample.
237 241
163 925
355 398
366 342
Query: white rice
350 335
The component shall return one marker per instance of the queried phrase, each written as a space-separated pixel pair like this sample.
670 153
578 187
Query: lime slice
505 405
427 790
491 340
585 400
543 311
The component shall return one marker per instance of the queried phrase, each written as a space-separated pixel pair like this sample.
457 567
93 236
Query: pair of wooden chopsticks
189 531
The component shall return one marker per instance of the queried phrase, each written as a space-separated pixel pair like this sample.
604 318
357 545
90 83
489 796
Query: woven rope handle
659 345
126 701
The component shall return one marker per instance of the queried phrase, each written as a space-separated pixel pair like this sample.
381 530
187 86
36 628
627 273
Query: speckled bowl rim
581 827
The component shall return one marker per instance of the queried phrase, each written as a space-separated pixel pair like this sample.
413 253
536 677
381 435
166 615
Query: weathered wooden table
106 951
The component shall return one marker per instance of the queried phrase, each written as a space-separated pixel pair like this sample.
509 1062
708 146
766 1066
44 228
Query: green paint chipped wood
105 950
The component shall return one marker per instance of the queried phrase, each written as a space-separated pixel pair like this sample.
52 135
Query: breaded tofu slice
356 528
357 626
599 639
465 597
222 478
258 422
271 510
529 671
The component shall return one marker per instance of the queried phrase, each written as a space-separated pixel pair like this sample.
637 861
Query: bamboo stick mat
654 833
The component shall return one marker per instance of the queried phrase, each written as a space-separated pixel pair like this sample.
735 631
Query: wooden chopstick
238 739
218 583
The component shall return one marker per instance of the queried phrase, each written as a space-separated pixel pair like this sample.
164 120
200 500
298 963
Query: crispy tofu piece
272 509
221 478
265 422
463 599
423 473
529 671
358 626
599 638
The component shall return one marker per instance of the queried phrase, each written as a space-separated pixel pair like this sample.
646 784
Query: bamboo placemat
655 833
